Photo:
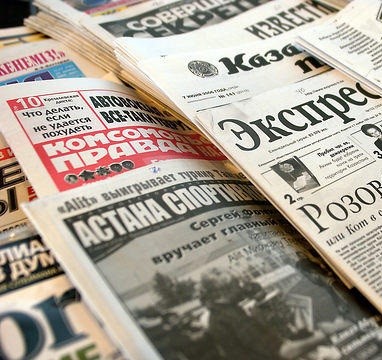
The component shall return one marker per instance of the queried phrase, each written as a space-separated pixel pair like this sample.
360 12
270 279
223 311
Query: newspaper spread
350 41
72 132
18 34
205 79
265 21
315 154
190 263
42 315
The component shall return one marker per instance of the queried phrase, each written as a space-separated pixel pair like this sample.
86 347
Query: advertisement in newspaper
43 60
42 315
14 189
72 132
351 42
263 22
204 79
192 263
316 154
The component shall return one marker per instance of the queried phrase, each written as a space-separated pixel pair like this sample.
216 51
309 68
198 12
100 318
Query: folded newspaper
350 41
189 262
42 315
209 78
72 132
315 154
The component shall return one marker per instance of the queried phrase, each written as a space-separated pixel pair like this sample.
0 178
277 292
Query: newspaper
72 132
156 19
43 60
265 21
350 42
315 154
92 32
14 189
42 315
205 79
190 263
18 34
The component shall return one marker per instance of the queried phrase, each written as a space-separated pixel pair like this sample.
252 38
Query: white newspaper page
315 153
14 189
71 132
350 41
18 35
205 79
42 315
263 22
43 60
190 263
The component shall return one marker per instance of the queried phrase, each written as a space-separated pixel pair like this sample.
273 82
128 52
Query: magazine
42 316
315 154
350 42
191 263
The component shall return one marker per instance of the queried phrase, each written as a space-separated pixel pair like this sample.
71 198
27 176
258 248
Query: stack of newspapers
192 180
90 27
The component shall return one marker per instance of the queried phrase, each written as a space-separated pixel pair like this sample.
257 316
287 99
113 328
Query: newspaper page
205 79
265 21
72 132
315 154
14 189
43 60
42 315
190 263
350 42
17 35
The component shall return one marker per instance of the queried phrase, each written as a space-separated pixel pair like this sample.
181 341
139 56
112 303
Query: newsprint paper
42 315
71 132
189 262
315 153
351 41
